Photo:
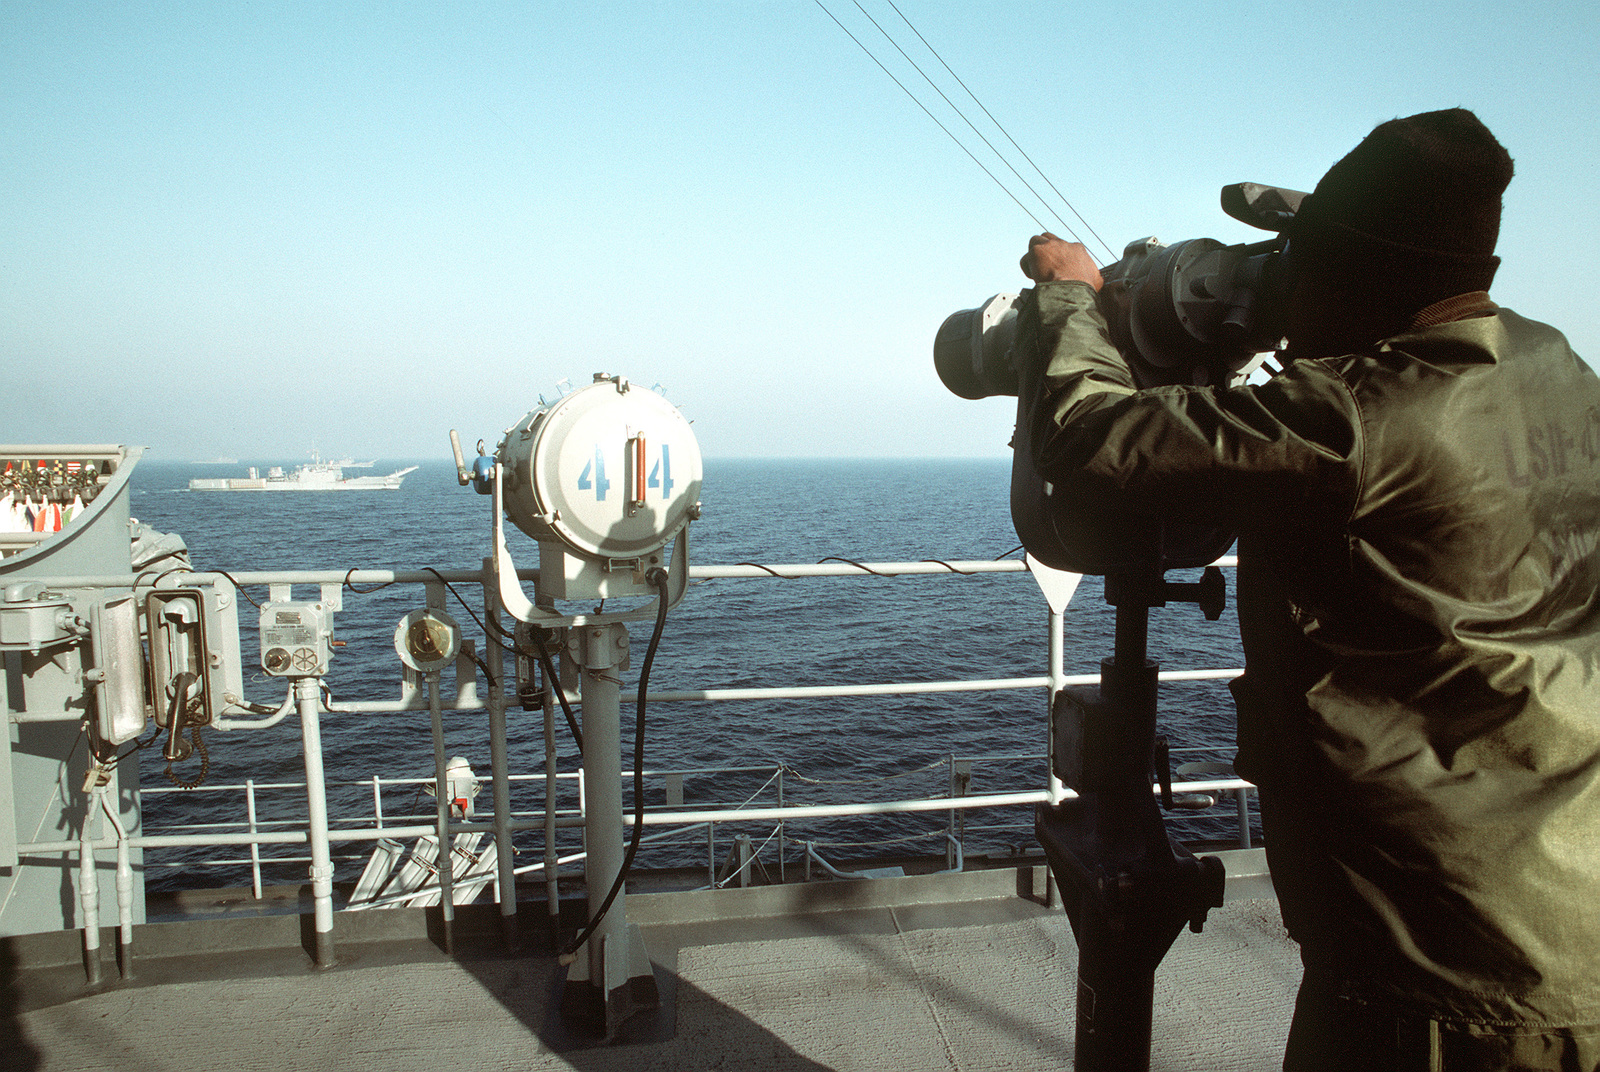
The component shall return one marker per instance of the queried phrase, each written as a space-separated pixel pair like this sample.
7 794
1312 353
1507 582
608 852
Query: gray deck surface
971 986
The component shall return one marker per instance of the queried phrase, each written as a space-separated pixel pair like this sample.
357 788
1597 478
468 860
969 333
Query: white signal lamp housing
603 479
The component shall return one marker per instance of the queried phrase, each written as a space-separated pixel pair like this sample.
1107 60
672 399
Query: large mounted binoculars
1196 311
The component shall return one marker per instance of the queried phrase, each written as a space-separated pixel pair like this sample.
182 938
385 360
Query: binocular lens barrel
972 350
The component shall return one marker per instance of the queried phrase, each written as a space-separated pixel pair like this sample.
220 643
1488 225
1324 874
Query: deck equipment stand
297 643
604 479
427 641
1127 886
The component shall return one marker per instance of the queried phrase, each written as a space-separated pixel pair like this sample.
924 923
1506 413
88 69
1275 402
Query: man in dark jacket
1418 501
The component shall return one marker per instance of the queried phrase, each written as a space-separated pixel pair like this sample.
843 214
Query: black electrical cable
948 566
769 569
366 591
491 631
205 763
238 587
512 649
853 562
83 732
139 581
658 578
178 714
137 745
481 665
551 676
468 608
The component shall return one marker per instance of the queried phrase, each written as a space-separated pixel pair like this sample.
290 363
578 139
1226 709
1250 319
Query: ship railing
353 831
257 832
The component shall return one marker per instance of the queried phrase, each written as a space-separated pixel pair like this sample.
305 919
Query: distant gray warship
316 475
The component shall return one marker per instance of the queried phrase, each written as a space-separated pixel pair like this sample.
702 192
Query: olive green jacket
1419 558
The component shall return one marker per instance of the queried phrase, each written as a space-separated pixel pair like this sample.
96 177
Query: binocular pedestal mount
1127 886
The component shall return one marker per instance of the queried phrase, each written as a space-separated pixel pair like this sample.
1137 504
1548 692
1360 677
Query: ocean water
725 633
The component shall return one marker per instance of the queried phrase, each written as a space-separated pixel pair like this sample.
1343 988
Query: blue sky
257 229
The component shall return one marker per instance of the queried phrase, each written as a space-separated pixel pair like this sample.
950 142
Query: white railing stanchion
1244 817
306 691
552 860
255 847
1058 681
441 791
500 770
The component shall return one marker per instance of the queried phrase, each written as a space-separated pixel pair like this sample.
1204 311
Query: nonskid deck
926 972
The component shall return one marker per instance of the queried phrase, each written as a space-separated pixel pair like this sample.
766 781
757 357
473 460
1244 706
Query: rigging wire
957 109
930 115
998 126
990 145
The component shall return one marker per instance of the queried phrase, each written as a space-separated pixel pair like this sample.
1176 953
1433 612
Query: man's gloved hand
1050 259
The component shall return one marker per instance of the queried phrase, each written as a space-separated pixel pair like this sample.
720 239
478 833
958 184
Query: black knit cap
1416 206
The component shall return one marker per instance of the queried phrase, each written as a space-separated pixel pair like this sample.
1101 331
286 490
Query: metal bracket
517 604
